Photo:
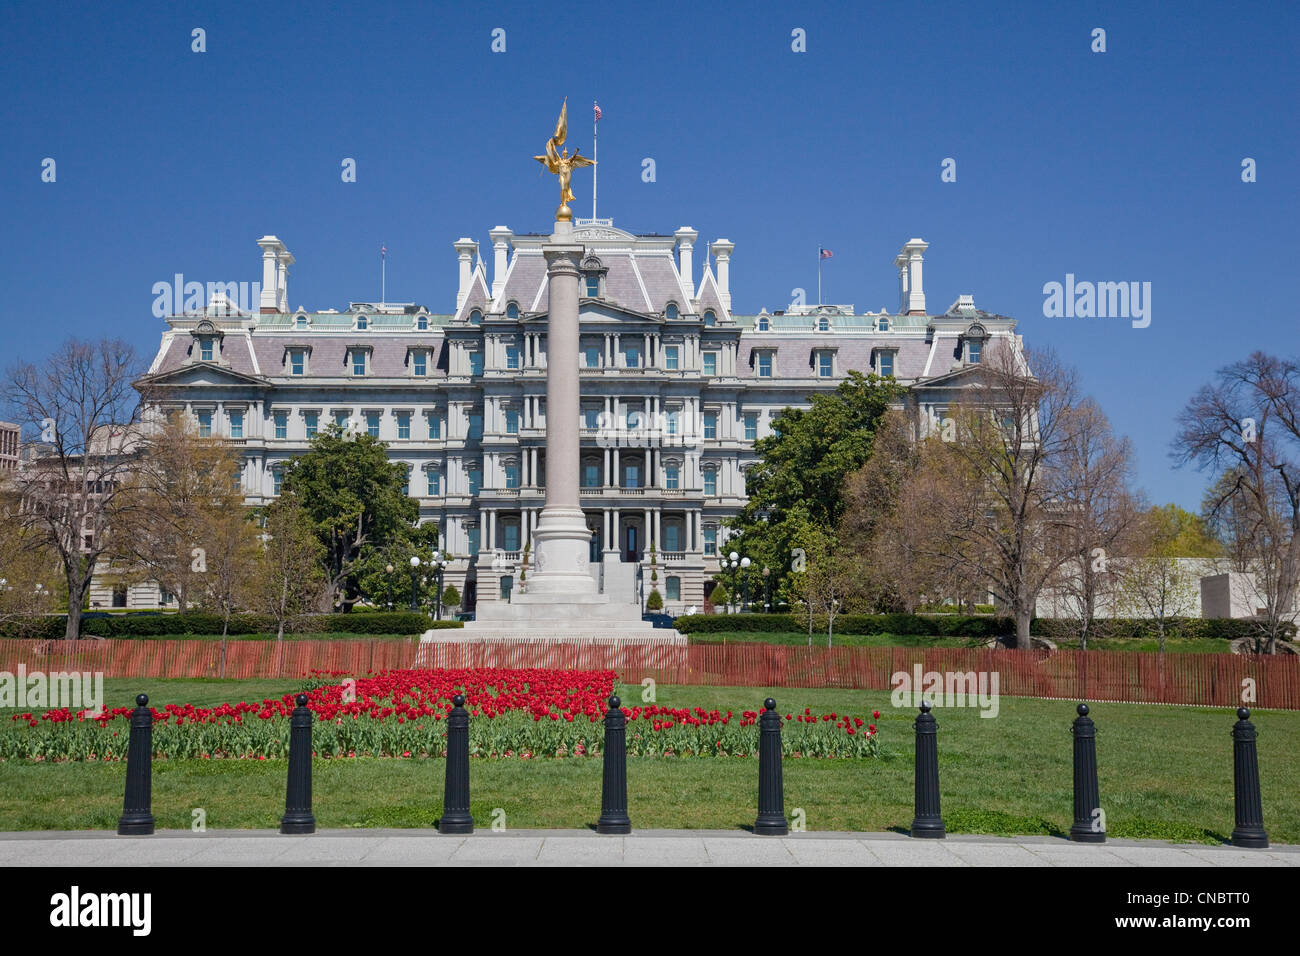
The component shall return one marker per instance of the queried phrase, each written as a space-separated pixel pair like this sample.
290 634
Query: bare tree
1247 423
996 490
228 549
1098 512
29 570
288 578
80 414
179 482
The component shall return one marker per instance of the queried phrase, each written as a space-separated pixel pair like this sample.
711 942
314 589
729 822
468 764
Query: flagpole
383 278
595 132
819 275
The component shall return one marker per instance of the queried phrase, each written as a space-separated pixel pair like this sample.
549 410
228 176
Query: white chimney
911 288
501 236
272 248
686 237
465 249
283 261
722 249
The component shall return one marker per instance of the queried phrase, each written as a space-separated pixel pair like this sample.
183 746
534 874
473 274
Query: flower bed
514 713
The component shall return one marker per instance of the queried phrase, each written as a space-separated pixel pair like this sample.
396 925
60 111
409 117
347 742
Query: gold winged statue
562 164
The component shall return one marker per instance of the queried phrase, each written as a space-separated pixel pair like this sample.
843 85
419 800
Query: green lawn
1165 772
1205 646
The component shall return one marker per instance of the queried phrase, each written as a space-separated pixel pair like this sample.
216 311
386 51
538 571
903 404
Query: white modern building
675 390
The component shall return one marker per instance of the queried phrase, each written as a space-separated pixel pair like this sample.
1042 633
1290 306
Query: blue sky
1115 166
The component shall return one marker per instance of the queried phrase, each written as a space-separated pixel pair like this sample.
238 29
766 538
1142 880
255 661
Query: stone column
562 536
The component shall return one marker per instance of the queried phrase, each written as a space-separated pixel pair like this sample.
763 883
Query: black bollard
298 817
1249 831
927 823
137 817
456 817
771 788
1089 823
613 790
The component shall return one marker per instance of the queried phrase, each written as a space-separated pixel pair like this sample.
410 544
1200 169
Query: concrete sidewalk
586 848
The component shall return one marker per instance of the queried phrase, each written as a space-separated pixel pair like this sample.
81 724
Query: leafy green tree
288 580
798 483
654 600
353 497
382 587
450 596
719 596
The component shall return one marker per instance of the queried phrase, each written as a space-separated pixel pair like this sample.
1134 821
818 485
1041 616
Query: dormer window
972 343
763 324
422 323
671 312
823 324
512 311
300 323
357 360
593 287
882 324
362 323
476 317
297 361
710 318
205 349
974 348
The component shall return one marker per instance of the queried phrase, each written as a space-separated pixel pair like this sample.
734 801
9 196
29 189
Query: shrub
1128 628
720 595
654 601
197 622
450 596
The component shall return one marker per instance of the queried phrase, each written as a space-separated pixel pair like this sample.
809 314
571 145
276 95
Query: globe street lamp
388 569
439 562
415 584
767 589
744 566
734 560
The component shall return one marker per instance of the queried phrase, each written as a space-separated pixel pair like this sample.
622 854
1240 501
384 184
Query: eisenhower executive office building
675 390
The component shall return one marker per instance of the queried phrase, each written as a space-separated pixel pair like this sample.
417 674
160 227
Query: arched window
422 323
823 324
763 324
301 322
710 318
883 324
671 311
362 322
476 317
512 310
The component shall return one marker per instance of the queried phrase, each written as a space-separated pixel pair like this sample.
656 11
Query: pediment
202 373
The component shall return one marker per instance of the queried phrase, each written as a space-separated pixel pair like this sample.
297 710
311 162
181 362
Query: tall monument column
563 542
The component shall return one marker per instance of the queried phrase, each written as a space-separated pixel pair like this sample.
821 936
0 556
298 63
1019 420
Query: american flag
383 252
825 254
596 107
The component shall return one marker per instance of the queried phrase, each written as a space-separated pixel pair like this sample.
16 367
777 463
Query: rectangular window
297 363
591 356
236 424
205 424
475 481
671 538
510 537
512 357
341 420
711 425
670 421
673 589
476 425
751 427
711 482
475 363
420 363
591 417
512 421
512 480
710 363
632 356
358 362
593 287
277 480
311 421
671 357
403 424
205 350
710 540
281 424
885 363
631 476
974 347
591 475
473 535
825 364
435 426
764 364
372 424
433 482
671 475
406 482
